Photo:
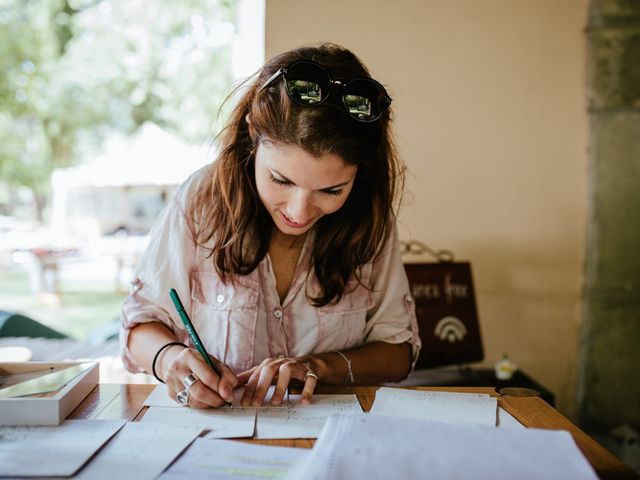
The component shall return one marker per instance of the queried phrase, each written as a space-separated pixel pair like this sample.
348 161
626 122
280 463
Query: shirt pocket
342 325
225 317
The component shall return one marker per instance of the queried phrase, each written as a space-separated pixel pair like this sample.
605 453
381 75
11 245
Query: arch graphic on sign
450 329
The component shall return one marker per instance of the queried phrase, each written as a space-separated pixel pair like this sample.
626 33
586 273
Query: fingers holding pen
209 390
222 381
216 378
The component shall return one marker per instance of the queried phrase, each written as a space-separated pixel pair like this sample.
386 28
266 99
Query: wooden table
112 401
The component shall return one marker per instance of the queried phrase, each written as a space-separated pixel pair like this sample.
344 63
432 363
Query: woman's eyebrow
293 183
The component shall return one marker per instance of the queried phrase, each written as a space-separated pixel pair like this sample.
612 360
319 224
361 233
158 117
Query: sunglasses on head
309 84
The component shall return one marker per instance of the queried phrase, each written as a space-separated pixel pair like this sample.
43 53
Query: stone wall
609 366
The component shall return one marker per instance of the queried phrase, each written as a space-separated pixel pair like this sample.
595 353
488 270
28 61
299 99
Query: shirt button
220 298
277 314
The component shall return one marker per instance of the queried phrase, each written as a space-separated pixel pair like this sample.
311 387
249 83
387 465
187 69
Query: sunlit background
518 122
105 108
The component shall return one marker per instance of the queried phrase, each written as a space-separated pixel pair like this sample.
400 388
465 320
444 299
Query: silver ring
189 380
183 397
311 373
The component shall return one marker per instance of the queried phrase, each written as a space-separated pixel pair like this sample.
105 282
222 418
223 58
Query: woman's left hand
279 371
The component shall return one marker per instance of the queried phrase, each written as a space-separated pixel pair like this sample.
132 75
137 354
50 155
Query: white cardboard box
51 410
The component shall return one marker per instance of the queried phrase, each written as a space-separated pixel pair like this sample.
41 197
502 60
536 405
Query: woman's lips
293 224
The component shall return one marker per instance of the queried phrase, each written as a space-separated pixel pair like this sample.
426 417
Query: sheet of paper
159 397
439 406
382 447
139 451
232 460
289 420
506 420
234 422
52 451
292 419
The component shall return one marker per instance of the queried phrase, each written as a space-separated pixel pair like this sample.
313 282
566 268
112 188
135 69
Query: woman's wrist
350 378
167 357
320 367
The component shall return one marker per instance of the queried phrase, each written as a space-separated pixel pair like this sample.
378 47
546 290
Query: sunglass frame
343 85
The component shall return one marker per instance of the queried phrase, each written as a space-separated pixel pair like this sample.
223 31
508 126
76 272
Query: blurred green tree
74 71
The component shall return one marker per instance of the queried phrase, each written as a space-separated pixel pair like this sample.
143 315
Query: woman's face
297 188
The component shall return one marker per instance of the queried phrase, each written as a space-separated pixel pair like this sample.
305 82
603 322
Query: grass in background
84 309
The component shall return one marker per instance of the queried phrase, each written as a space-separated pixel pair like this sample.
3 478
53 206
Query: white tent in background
113 188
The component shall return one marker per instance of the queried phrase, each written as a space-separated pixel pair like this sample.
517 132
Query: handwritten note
440 406
221 422
52 451
140 451
159 397
292 419
232 460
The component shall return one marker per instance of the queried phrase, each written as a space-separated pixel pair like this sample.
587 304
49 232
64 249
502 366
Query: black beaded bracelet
153 364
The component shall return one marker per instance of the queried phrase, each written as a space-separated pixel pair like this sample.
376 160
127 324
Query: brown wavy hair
230 217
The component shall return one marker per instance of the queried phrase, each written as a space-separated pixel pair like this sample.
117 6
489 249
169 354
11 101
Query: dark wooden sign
447 314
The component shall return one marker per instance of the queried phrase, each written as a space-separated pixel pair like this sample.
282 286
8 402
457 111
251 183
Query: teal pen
192 331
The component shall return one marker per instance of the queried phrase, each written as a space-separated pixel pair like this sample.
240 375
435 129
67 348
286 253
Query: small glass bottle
505 368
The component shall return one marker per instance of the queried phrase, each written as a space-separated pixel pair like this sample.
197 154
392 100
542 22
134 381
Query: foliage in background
74 71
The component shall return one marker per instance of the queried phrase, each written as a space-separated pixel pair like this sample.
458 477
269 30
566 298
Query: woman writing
284 250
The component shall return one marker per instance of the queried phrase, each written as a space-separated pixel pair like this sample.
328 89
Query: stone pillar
609 364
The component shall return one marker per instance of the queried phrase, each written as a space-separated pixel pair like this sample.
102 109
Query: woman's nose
300 208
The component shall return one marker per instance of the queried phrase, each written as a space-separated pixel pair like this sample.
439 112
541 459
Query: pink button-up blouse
244 322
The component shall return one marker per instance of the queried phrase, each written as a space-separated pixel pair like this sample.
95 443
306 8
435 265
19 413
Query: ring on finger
183 397
311 373
189 380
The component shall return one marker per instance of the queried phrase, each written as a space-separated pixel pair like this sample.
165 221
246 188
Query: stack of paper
382 447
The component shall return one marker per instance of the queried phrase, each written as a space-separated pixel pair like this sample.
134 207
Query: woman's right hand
209 390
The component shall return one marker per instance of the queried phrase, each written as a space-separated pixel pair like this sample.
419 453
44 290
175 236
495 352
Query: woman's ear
247 119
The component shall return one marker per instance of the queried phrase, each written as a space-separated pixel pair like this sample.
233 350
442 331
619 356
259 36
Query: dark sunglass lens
364 99
357 106
305 92
307 83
